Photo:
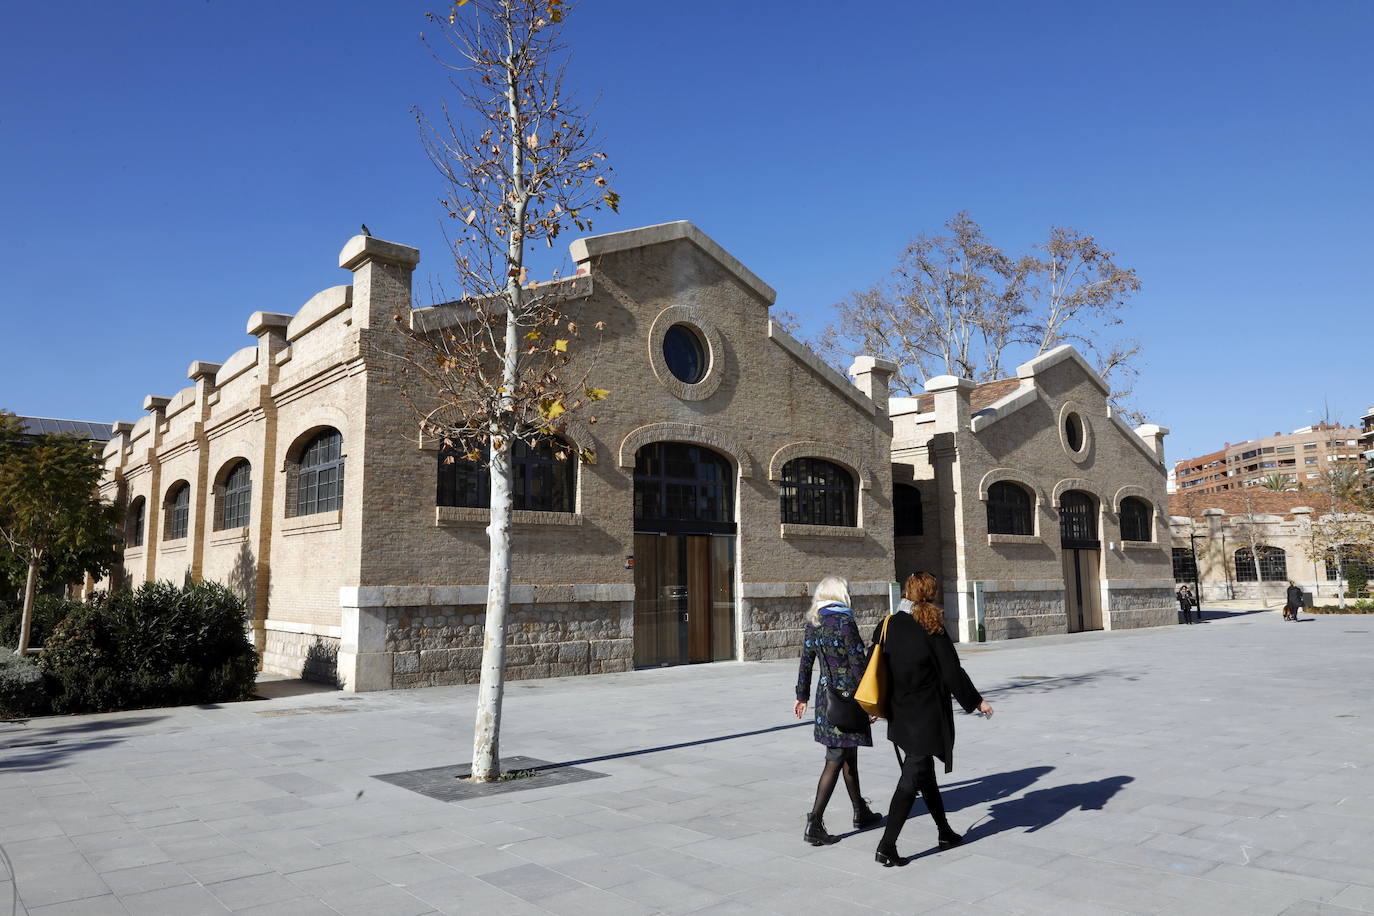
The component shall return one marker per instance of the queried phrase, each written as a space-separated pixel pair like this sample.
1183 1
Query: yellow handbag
872 691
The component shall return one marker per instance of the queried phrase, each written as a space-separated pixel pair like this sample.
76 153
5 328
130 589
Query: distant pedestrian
832 635
923 670
1293 601
1186 602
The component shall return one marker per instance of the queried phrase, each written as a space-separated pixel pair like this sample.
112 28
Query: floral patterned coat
841 650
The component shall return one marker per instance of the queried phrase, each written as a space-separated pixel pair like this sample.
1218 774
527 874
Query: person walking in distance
1293 601
923 670
832 636
1185 603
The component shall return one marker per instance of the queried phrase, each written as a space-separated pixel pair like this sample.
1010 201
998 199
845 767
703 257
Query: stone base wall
1014 614
302 655
774 626
436 646
1141 607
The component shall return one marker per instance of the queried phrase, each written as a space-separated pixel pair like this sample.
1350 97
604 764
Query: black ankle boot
949 839
887 857
865 818
815 832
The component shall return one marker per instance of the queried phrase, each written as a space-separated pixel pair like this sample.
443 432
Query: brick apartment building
1301 456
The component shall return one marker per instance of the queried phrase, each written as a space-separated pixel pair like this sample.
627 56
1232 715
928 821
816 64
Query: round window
1073 432
685 354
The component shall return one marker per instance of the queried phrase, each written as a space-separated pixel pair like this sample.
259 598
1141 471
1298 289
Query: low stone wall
435 646
303 655
1015 614
773 627
1141 607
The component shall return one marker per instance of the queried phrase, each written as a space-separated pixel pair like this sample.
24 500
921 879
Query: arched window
907 519
1273 564
133 526
683 488
1078 520
320 474
1185 566
1135 519
176 511
1009 509
817 492
235 496
544 482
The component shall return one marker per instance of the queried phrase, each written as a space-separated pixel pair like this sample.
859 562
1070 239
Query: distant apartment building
1301 456
1367 439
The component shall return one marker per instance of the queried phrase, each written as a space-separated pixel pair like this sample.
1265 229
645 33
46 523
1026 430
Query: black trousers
918 777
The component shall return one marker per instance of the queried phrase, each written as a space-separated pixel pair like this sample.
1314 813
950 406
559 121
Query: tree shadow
1035 684
44 748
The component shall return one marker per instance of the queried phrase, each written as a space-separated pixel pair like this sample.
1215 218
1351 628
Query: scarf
836 609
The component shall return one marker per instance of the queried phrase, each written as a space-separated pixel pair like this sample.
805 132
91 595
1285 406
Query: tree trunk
30 592
486 733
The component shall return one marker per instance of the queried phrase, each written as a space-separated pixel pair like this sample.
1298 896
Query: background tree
50 509
520 164
1253 532
1344 533
956 304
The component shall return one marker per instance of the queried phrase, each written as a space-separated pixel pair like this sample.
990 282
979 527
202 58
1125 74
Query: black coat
923 671
1294 598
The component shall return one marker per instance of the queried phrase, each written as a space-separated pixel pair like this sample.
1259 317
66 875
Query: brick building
1043 512
293 472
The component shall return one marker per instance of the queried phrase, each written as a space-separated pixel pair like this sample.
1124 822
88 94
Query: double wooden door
684 599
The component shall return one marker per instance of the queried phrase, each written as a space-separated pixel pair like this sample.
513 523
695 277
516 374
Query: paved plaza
1222 768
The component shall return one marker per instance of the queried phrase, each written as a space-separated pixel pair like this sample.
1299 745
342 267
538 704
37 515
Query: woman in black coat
923 670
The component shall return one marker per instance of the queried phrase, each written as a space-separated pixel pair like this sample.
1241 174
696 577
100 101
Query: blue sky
170 167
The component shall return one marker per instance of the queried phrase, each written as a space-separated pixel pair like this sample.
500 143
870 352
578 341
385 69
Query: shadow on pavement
1037 684
673 747
970 793
276 690
42 748
1043 807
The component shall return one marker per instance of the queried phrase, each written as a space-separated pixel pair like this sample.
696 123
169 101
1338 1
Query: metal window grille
238 496
1077 519
683 488
1009 509
543 481
817 492
1273 564
1135 519
319 488
1185 566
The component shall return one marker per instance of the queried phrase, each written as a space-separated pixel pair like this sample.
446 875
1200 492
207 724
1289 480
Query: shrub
158 646
48 612
1357 579
22 689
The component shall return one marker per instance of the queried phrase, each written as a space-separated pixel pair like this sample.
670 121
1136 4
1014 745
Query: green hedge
158 646
23 690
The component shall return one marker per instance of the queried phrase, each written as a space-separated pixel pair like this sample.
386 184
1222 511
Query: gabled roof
583 250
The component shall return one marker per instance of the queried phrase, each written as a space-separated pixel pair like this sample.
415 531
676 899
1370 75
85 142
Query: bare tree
521 165
956 304
1252 530
1346 529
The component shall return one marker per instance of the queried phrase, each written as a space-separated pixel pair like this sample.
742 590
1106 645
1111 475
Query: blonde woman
832 636
923 670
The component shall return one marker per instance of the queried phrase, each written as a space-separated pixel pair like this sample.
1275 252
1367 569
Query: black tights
918 775
838 760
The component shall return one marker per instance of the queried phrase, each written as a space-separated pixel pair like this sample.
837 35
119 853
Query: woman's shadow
1043 807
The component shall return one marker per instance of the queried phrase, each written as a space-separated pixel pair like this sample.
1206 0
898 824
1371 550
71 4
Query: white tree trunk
26 618
486 732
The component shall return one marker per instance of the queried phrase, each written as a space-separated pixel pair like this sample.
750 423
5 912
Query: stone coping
791 530
308 629
308 524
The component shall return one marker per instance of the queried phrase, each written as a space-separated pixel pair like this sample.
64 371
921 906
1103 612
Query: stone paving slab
1218 769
